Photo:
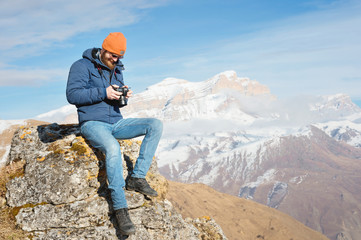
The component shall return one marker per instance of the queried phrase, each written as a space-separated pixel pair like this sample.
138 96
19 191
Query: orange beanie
115 43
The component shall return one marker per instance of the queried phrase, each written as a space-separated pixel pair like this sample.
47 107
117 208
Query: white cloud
28 27
314 53
31 77
38 23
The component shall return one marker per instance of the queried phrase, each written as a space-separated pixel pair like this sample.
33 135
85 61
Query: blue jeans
104 136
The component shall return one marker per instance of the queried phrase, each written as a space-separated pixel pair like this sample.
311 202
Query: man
94 86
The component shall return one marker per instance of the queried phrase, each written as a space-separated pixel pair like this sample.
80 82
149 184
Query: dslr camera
123 100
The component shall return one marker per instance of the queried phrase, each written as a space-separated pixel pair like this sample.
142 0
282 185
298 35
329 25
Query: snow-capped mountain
300 155
65 114
175 99
345 130
340 103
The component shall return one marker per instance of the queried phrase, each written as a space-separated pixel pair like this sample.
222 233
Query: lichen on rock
63 194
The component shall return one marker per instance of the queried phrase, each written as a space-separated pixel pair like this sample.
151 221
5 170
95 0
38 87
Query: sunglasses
114 55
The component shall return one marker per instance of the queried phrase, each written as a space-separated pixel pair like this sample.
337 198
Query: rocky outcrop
62 192
343 236
7 129
277 194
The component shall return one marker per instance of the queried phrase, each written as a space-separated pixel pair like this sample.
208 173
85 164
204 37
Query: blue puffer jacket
86 88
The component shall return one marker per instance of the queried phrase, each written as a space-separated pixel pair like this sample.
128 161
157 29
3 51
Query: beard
108 62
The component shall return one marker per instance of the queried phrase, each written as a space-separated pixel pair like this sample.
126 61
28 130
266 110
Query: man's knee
112 148
157 125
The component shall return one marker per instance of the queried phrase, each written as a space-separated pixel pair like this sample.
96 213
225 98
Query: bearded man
95 85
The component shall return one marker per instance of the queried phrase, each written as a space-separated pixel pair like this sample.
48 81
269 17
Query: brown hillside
240 219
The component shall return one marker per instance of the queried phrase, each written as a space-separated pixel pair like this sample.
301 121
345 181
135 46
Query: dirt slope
239 218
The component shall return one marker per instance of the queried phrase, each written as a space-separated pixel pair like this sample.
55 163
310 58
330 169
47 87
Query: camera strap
100 70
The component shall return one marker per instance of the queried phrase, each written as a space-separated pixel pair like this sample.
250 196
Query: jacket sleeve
78 89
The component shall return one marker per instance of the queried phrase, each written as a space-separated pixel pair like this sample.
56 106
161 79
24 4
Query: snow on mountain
174 99
65 114
194 157
341 118
299 173
338 102
6 124
344 130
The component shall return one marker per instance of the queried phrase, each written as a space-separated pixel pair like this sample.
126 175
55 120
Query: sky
295 48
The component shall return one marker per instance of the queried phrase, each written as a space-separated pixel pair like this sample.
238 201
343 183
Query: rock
47 216
63 194
277 194
208 228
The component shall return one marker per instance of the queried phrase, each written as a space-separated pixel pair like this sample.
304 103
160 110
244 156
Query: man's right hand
113 94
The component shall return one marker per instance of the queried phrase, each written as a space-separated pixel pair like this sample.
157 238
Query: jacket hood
88 54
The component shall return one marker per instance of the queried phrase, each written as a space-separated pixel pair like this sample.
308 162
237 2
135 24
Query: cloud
38 23
31 77
30 27
311 53
279 117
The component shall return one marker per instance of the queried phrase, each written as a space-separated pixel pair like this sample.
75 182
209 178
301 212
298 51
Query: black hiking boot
140 185
126 226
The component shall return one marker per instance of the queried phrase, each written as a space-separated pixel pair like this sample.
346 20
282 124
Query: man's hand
129 93
113 94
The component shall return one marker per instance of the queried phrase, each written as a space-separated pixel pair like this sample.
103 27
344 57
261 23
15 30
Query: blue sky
304 47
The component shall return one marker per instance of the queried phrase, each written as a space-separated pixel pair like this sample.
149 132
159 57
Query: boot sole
126 233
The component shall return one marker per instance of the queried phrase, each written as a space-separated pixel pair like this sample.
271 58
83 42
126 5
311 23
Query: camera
123 100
